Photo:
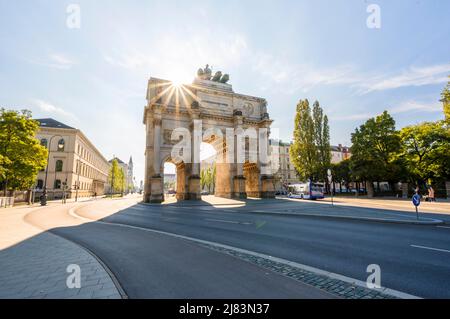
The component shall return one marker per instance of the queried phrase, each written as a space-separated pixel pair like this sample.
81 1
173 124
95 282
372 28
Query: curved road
413 259
151 265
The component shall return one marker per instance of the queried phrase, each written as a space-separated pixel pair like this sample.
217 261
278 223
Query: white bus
307 190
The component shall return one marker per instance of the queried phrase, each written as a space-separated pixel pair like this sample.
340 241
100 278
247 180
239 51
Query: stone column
224 173
194 192
238 179
148 157
267 179
156 190
267 186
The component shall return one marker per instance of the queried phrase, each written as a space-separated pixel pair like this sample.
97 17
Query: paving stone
36 268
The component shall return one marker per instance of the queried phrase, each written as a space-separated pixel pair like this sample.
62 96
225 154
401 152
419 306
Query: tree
21 155
310 151
446 102
208 177
322 141
375 150
341 173
116 177
426 151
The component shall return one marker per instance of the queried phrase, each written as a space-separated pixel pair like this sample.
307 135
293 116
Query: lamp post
44 193
77 186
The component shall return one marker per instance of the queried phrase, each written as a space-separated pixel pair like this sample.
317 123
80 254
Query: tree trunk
447 188
5 189
369 189
404 190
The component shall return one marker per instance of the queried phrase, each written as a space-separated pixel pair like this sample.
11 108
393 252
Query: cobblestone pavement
33 264
336 287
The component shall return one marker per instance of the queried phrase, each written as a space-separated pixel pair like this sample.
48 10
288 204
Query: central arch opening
208 169
170 180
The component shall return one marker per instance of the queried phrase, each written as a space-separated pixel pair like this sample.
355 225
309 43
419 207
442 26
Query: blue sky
94 77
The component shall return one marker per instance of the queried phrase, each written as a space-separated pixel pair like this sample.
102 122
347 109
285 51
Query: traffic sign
416 200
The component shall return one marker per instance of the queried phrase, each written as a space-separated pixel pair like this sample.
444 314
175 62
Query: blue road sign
416 200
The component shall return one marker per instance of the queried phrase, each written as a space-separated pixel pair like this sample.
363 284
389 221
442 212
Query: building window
40 184
61 144
59 166
57 184
44 142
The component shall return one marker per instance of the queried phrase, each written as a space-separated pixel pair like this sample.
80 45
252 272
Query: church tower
130 172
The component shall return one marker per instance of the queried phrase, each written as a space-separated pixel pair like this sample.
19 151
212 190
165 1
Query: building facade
285 172
340 153
75 168
283 168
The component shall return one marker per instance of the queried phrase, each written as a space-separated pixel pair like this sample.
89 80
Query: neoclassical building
75 168
202 112
283 168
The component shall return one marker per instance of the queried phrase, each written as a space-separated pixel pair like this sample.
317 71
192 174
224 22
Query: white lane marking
332 275
431 248
227 221
443 227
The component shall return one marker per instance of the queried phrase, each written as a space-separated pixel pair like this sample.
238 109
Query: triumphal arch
180 117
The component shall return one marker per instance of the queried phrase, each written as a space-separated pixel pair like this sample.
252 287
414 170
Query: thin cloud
352 117
416 106
165 60
55 61
294 77
410 106
51 109
414 76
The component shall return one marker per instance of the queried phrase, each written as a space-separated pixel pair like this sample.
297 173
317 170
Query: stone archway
211 103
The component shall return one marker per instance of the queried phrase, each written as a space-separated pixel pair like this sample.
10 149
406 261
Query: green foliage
446 102
375 149
426 151
116 177
322 141
208 178
310 151
341 172
21 155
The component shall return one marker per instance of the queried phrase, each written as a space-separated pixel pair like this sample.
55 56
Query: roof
49 122
340 148
118 160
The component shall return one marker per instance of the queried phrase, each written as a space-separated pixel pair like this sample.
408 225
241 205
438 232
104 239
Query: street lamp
44 193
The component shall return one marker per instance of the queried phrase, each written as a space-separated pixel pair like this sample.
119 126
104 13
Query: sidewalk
33 263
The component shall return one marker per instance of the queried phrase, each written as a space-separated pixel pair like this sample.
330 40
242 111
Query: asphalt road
151 265
413 259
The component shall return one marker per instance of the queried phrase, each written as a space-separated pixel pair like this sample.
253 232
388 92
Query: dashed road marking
228 221
431 248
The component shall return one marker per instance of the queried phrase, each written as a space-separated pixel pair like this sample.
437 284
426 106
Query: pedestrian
431 194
